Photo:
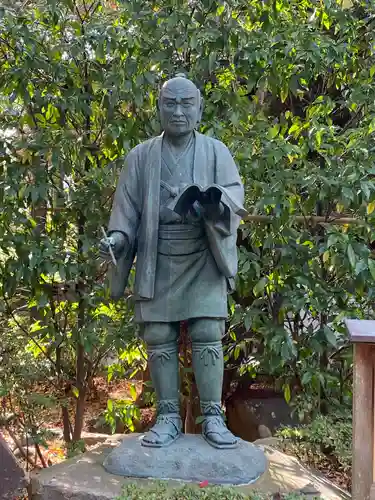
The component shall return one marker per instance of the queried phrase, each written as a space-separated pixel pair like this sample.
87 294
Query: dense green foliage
288 86
327 439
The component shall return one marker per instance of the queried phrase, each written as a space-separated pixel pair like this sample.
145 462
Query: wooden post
362 333
363 421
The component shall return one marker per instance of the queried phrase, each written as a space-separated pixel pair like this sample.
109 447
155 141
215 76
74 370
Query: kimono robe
199 275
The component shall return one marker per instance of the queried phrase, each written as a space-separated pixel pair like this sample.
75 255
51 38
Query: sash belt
181 239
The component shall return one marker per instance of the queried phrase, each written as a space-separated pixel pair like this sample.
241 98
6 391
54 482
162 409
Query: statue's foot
216 433
165 431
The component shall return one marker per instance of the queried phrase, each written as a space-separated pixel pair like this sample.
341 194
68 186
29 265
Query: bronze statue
177 207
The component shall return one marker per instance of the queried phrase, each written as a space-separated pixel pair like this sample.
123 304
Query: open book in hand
211 194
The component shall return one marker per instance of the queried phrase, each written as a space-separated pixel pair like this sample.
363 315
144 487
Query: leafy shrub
288 86
187 492
327 436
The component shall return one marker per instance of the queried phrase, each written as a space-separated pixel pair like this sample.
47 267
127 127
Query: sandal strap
163 420
214 419
163 423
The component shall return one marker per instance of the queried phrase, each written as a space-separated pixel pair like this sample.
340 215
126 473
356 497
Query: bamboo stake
312 219
299 219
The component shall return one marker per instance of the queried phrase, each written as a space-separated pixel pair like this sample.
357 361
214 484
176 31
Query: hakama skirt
188 283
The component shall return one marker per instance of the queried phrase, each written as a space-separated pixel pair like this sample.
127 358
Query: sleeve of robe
222 233
125 217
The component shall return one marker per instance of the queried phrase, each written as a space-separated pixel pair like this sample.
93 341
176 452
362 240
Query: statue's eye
169 104
187 104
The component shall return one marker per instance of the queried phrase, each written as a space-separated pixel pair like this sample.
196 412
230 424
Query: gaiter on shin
208 364
163 363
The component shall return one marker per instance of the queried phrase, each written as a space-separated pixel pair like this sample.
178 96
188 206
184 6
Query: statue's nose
178 111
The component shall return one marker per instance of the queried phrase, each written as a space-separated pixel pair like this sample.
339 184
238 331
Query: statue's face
180 107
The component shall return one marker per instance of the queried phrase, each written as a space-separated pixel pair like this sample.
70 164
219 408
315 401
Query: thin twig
340 349
78 12
352 119
25 331
40 455
20 448
93 8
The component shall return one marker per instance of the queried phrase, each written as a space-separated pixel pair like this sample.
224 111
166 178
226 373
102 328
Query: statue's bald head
180 106
180 84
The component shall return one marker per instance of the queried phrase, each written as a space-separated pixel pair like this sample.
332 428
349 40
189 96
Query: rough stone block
188 459
12 477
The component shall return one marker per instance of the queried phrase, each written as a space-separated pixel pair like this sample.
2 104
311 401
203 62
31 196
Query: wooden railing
362 334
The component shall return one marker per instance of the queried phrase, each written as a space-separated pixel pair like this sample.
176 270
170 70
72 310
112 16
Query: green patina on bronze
185 261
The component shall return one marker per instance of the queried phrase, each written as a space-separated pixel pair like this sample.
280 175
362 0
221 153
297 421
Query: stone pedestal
190 459
85 478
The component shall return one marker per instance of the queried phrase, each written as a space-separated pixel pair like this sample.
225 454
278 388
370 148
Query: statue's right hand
116 241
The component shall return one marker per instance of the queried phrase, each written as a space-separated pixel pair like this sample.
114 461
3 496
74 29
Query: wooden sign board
361 330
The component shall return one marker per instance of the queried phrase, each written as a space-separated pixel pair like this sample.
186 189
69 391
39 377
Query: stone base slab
190 459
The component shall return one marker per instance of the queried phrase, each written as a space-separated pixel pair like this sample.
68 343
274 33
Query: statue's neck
179 143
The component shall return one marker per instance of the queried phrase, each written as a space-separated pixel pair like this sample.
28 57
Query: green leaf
260 286
133 392
370 207
237 352
284 93
371 266
332 240
351 255
295 129
287 393
75 391
360 266
325 20
273 131
330 336
248 321
306 378
211 61
220 10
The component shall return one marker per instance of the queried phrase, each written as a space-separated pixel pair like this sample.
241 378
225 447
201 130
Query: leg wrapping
163 362
208 364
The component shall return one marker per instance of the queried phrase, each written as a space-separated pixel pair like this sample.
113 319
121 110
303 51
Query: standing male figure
185 264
